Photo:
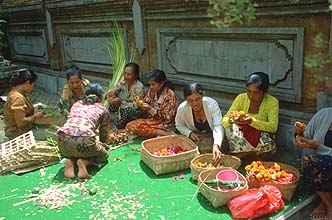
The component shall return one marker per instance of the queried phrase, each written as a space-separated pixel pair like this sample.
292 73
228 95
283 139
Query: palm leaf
116 48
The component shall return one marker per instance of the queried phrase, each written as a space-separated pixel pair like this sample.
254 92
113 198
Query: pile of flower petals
167 151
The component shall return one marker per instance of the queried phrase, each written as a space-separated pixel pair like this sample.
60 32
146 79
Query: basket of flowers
205 162
285 177
168 154
221 184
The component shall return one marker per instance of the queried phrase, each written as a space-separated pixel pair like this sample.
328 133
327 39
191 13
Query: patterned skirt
82 147
127 114
238 144
317 172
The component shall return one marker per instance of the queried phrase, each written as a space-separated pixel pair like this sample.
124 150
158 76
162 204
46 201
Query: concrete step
302 210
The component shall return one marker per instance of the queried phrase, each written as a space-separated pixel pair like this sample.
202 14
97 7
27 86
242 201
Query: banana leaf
224 184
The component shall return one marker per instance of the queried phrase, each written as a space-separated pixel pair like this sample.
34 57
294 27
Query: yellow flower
261 167
278 175
277 166
259 176
248 167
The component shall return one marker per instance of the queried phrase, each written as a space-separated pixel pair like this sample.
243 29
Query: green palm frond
116 47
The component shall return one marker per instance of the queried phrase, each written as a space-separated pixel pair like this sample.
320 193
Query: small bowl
226 175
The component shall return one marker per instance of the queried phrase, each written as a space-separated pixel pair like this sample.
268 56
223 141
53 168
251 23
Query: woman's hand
299 128
194 137
239 117
144 106
38 115
216 153
306 143
110 94
114 101
245 120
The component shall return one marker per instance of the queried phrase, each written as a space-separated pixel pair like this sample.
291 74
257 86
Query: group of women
158 112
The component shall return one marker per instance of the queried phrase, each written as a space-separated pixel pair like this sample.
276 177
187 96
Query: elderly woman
199 118
161 103
122 96
73 90
252 119
316 141
77 138
19 113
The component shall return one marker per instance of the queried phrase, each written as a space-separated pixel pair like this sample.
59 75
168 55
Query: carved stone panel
221 59
88 49
28 45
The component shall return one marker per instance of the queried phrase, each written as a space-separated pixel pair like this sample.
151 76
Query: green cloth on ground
125 188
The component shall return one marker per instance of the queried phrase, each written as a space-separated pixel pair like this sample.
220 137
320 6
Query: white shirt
184 120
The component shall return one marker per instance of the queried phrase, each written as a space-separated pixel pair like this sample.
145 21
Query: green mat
125 188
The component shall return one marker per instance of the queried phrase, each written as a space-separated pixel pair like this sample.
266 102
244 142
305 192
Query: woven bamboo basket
226 161
218 198
287 190
172 163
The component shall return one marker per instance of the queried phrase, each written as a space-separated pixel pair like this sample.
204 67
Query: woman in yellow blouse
19 114
252 119
73 90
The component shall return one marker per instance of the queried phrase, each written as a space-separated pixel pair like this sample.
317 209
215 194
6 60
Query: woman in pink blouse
77 138
161 103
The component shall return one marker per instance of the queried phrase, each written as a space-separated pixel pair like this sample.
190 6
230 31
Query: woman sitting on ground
316 141
252 119
161 103
121 96
199 118
19 113
77 138
73 90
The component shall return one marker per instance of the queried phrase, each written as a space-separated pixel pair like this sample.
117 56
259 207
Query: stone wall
6 71
176 36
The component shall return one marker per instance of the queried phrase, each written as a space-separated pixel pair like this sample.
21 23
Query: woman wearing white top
199 118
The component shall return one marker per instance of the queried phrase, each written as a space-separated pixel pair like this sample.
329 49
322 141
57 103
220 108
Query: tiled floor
40 95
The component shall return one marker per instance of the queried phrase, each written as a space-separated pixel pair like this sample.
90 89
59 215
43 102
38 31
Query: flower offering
236 115
167 151
256 171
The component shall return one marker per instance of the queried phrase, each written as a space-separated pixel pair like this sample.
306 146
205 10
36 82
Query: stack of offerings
168 154
24 154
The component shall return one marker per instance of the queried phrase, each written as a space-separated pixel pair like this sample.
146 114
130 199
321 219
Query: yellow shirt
265 120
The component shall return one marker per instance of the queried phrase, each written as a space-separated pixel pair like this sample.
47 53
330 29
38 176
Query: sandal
317 214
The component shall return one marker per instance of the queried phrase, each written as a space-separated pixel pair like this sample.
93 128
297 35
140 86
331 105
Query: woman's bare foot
319 212
82 171
69 169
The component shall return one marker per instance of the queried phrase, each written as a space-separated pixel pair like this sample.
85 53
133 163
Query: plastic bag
256 202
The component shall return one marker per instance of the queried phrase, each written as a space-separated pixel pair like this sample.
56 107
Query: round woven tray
287 189
226 161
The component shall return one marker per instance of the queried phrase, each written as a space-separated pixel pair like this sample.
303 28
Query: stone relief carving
87 49
224 62
28 45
